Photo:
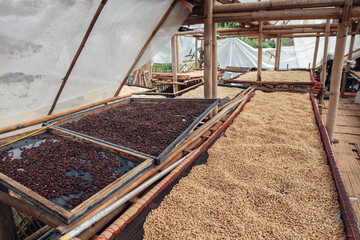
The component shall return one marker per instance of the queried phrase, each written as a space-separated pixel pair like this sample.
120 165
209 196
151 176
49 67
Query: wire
28 135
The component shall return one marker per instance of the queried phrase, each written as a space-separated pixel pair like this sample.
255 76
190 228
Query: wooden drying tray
68 216
128 152
180 76
168 81
275 84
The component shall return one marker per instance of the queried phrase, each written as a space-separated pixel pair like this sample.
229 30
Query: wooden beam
273 15
348 64
337 70
260 47
275 5
7 224
277 54
324 65
214 83
27 208
77 54
316 52
152 35
177 53
174 63
208 5
57 115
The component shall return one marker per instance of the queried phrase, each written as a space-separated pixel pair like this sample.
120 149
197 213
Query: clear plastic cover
40 38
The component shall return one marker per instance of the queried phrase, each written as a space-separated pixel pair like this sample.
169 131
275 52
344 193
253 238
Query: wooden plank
36 198
93 111
349 130
175 100
7 224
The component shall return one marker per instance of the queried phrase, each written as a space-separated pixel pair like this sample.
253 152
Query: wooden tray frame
64 215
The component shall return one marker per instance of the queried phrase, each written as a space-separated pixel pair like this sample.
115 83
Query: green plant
191 55
162 66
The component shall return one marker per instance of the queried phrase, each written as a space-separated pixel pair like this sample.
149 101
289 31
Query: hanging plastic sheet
39 40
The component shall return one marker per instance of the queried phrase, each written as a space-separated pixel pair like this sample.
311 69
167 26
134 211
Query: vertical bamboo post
174 64
77 54
177 54
337 68
7 224
214 64
260 48
150 73
316 52
348 64
324 63
277 54
208 12
196 53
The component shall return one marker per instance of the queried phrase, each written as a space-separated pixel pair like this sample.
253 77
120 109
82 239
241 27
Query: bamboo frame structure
348 63
208 9
316 52
272 15
277 54
174 60
324 65
337 69
260 48
214 69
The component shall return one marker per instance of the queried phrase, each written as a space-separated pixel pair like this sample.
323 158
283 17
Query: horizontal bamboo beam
276 5
272 15
57 115
279 32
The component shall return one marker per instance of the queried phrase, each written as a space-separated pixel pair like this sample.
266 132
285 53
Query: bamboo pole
61 114
316 52
275 5
277 54
77 54
196 53
208 5
214 65
260 47
177 54
273 15
324 64
336 79
174 64
154 32
348 64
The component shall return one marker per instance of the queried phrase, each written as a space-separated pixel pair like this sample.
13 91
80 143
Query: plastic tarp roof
39 39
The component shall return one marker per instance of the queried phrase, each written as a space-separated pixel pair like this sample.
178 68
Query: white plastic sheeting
232 52
39 39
